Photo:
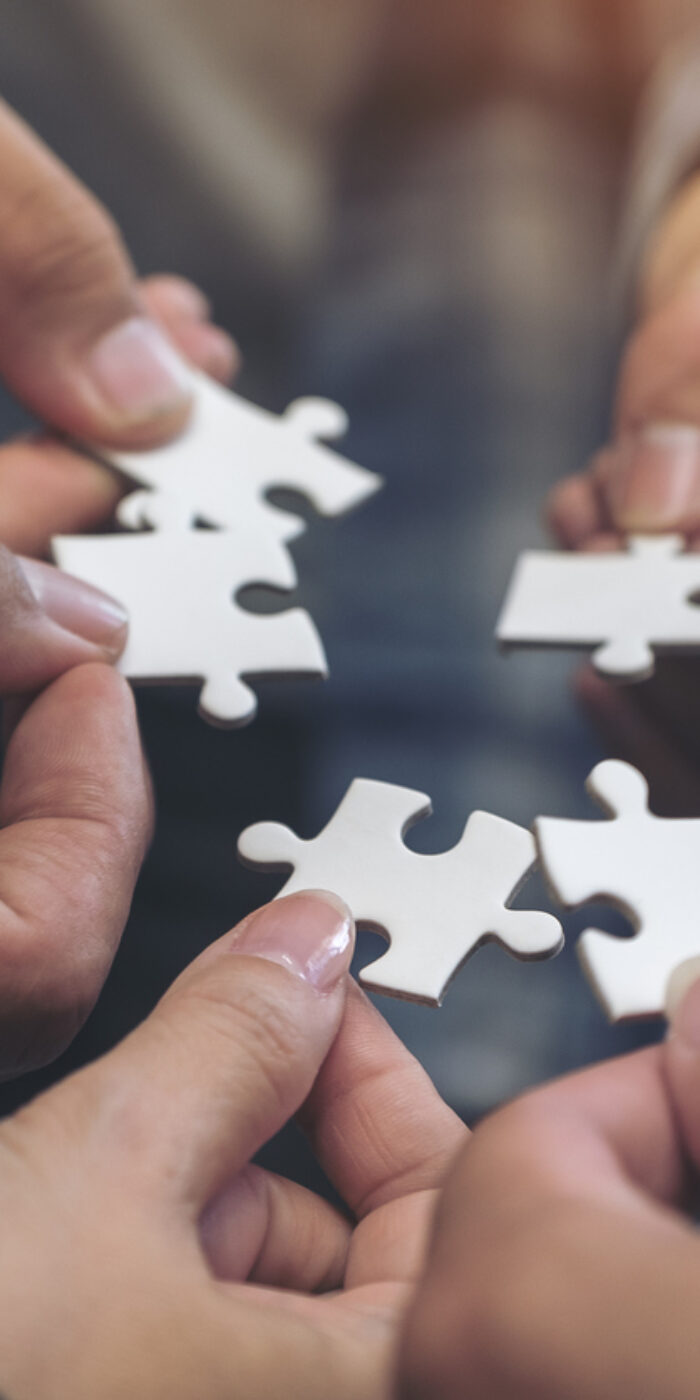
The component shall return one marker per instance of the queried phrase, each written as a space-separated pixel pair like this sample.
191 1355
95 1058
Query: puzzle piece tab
179 589
230 455
434 909
627 605
645 865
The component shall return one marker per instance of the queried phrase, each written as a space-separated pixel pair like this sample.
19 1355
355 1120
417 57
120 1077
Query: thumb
232 1050
77 346
682 1052
50 622
651 476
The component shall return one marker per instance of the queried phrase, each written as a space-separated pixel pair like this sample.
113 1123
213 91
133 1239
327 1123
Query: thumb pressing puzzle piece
626 605
647 866
434 909
230 454
179 589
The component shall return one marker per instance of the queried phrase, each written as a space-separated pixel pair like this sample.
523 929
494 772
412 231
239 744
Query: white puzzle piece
229 456
647 866
626 604
434 909
179 589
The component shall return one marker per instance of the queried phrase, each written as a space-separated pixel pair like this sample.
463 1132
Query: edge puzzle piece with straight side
179 588
647 866
230 454
435 909
626 605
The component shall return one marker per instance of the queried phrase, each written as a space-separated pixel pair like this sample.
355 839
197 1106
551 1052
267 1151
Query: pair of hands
143 1253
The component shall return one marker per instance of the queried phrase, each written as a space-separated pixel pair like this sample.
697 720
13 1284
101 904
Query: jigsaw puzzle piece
625 659
628 975
623 605
369 812
275 645
644 865
471 887
185 624
231 453
434 910
619 788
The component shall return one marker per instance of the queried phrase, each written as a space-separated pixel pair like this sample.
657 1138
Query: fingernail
654 477
187 300
138 372
77 606
312 934
683 1002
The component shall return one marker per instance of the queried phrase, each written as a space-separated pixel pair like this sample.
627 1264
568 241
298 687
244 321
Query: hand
88 348
151 1258
564 1265
648 480
75 809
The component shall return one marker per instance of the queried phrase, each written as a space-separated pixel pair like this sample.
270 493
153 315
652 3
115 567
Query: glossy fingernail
138 373
654 478
312 934
683 1002
76 606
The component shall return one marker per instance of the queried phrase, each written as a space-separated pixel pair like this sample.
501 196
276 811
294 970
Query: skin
154 1259
564 1263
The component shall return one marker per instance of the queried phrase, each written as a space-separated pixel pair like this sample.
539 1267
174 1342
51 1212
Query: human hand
143 1254
648 480
565 1264
75 808
89 349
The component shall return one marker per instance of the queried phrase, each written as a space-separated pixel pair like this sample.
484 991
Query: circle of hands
552 1252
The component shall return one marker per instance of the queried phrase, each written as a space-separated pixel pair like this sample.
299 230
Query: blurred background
413 208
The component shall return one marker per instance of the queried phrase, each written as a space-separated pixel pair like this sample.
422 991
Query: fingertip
573 511
209 348
78 608
652 482
683 1002
311 933
169 295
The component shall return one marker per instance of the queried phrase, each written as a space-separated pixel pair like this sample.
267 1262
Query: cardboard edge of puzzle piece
488 844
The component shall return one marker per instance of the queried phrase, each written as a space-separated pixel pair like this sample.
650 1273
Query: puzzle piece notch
434 910
163 510
185 624
624 605
232 453
644 865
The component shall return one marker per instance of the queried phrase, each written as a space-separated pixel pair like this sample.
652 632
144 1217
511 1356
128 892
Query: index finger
374 1118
